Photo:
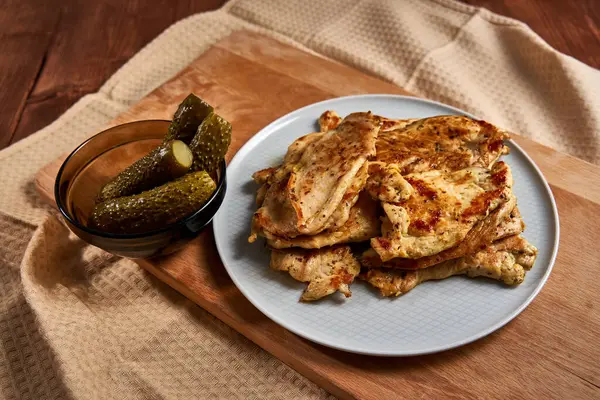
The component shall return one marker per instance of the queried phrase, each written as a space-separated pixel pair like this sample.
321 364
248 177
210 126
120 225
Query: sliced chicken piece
326 270
511 225
264 175
441 210
386 183
276 213
362 225
388 124
505 260
443 144
341 213
499 224
448 143
261 193
302 202
329 120
292 156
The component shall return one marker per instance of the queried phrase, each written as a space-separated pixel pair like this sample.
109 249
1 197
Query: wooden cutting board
550 351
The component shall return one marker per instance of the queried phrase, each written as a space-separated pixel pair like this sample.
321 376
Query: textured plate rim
267 130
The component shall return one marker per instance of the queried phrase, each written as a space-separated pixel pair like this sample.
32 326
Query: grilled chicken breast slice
341 213
292 156
448 143
326 270
441 210
330 120
302 202
501 223
505 260
386 183
362 225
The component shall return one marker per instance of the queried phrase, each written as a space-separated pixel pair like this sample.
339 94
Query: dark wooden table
54 52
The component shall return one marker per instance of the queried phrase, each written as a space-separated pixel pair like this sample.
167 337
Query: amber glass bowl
102 157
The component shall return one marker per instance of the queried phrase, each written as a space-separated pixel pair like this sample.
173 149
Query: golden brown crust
385 183
329 120
504 221
441 210
326 270
362 225
308 188
505 260
446 143
261 177
389 124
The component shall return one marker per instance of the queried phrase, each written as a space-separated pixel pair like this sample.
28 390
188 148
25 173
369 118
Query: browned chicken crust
441 209
496 226
505 260
326 270
301 199
329 120
447 143
362 225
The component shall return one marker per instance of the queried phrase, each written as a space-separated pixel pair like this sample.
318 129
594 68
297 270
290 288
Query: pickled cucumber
189 115
210 143
155 208
167 162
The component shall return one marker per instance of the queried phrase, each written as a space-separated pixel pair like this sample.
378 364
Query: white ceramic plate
434 316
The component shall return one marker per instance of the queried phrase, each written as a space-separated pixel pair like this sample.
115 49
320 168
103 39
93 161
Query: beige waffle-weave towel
78 323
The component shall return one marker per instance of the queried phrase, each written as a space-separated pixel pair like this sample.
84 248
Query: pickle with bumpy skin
155 208
189 115
167 162
210 143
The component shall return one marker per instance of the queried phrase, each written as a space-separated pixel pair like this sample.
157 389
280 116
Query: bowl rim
182 223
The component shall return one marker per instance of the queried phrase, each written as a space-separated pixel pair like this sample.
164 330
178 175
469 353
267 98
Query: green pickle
167 162
210 143
155 208
189 115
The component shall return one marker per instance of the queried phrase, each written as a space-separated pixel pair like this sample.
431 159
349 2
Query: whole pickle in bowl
156 208
189 115
167 162
210 143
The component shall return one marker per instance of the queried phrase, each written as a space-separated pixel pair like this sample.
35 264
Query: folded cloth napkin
78 322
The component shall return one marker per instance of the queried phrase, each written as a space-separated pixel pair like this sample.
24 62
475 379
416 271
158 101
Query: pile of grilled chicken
394 203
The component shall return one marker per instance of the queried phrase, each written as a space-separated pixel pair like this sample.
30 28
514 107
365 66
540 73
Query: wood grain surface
549 351
52 53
